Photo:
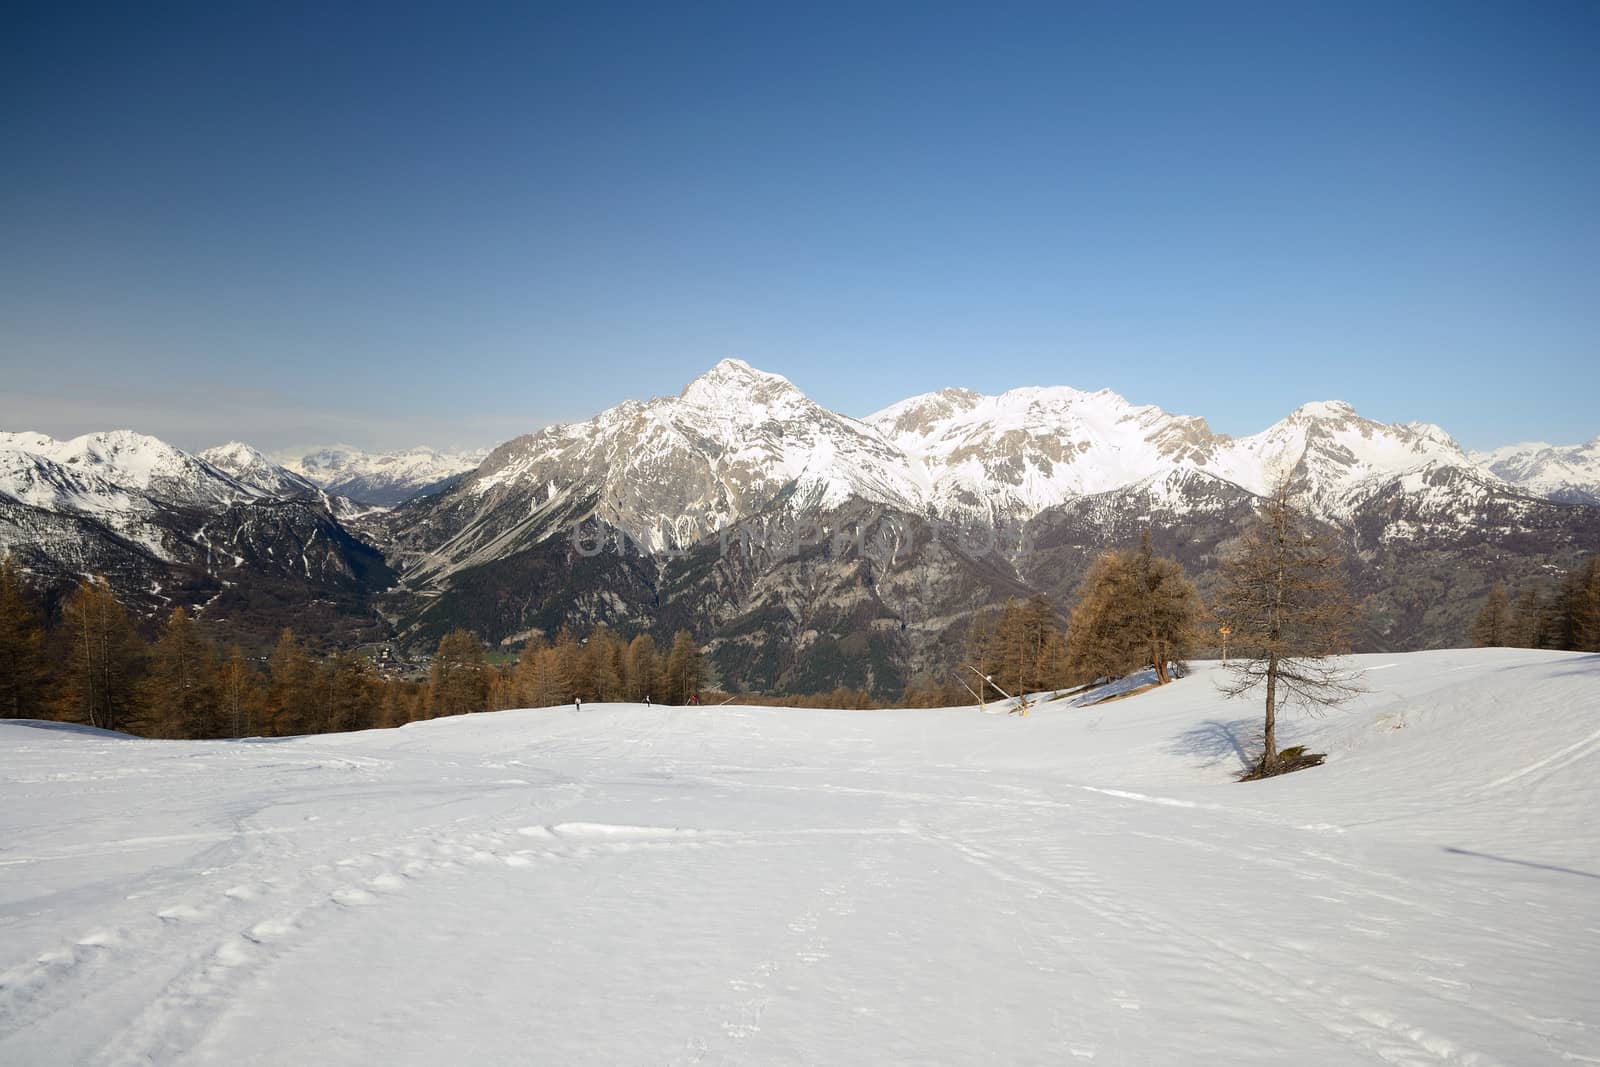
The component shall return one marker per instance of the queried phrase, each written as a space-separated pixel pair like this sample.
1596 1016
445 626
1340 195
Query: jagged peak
235 451
1324 409
1436 433
1055 394
734 385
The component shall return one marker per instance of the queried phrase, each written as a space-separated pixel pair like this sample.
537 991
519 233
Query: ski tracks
1360 1021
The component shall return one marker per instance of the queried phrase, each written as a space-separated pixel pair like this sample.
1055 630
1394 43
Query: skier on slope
577 703
647 700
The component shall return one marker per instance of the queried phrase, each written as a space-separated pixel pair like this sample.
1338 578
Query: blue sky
391 225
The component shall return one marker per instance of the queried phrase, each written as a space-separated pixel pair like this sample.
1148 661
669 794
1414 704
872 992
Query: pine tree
983 646
502 688
601 666
1135 610
1284 596
1492 627
1527 620
419 702
459 678
102 659
1584 599
685 670
391 704
1027 647
181 701
1099 644
354 693
22 666
239 694
524 674
641 668
292 692
551 683
1167 611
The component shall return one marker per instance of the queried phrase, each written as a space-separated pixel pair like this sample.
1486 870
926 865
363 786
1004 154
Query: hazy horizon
185 434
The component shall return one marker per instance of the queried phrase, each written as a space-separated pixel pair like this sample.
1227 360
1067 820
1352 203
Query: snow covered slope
750 885
226 532
668 471
738 442
108 471
1560 472
384 478
1026 450
250 467
1029 449
253 468
1339 457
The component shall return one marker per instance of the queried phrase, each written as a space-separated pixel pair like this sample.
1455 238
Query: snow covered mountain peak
234 452
671 469
1323 409
734 385
1027 449
114 466
1330 450
252 468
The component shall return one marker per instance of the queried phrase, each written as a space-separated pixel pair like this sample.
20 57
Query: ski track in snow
742 885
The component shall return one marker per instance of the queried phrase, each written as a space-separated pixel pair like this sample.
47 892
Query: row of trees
1565 616
547 673
93 666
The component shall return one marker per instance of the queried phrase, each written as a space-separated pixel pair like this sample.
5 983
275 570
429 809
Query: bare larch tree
1284 596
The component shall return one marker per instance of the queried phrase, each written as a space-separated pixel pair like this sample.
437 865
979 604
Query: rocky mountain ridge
803 547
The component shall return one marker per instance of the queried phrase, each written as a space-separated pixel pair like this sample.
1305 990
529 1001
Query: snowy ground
744 885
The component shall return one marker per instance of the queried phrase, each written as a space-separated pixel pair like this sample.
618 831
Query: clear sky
392 225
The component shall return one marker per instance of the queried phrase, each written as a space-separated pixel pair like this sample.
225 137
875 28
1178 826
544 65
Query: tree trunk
1270 755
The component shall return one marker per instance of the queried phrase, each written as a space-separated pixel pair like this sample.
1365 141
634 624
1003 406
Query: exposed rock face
241 542
981 497
805 549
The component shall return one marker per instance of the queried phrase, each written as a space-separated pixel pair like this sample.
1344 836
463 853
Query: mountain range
381 478
1570 473
804 548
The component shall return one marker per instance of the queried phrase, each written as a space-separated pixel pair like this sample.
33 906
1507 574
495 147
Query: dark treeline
1562 614
601 667
92 665
1134 611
